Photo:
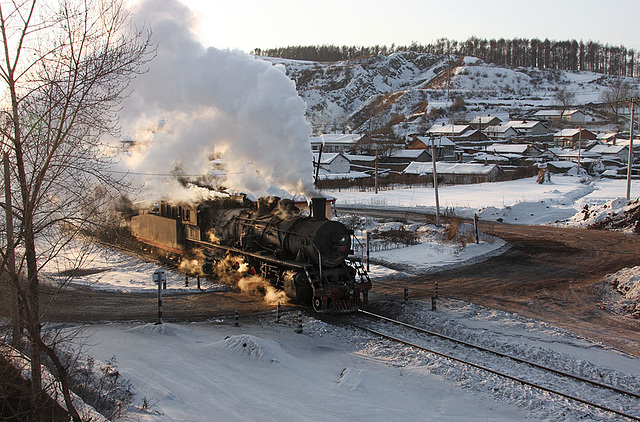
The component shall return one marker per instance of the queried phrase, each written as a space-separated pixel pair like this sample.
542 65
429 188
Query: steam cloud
196 102
234 271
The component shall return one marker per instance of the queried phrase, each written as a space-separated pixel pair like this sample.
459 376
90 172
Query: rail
494 371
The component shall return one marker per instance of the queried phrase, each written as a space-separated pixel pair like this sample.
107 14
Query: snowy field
521 201
263 370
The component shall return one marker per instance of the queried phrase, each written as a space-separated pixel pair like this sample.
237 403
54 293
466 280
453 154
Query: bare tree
615 95
65 68
564 98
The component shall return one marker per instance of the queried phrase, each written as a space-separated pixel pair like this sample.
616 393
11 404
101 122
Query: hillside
409 91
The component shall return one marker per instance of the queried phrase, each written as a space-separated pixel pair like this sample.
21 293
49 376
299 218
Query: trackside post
160 279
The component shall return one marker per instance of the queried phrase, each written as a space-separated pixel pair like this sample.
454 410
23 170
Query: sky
250 24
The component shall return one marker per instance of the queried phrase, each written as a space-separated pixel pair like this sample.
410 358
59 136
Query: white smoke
195 102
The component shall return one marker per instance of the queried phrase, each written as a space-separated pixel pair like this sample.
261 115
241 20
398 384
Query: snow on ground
111 270
434 252
211 371
521 201
621 292
428 257
264 371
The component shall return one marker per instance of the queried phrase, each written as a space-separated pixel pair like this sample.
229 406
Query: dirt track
549 274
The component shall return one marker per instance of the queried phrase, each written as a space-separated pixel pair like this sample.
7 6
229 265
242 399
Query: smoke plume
197 102
192 263
258 286
234 271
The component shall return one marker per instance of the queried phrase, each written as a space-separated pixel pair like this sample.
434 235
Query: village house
451 131
574 138
627 142
612 138
361 162
586 159
332 163
376 145
490 158
334 142
458 133
471 137
445 147
528 127
456 173
482 122
398 160
560 167
525 150
570 116
549 154
618 152
499 132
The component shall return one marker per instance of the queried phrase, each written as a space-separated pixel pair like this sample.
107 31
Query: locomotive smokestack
319 208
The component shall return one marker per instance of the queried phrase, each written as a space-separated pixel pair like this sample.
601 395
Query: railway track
550 274
593 393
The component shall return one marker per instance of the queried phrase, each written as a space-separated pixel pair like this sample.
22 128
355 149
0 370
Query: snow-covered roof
482 156
523 124
467 134
354 157
609 136
574 153
508 148
556 113
336 138
567 132
448 129
498 129
570 132
449 168
483 119
340 176
608 149
407 153
562 164
626 142
327 158
441 141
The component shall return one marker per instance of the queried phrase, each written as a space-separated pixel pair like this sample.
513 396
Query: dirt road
549 274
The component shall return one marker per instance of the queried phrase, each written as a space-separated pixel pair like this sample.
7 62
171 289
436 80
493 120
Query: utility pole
435 180
315 182
376 178
630 163
579 144
448 71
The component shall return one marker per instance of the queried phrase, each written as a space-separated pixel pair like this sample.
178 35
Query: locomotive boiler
308 257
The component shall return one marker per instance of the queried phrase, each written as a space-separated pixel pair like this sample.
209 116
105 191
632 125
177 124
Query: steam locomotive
308 257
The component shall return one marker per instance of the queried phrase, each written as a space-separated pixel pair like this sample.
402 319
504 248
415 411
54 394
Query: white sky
247 24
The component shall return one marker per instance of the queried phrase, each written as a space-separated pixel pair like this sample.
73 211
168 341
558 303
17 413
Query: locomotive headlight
340 242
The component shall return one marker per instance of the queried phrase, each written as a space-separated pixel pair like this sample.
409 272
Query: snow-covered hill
402 89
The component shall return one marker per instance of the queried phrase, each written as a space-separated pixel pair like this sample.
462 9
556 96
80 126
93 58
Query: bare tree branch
66 68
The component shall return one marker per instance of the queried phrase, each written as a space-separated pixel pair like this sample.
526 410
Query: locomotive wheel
317 303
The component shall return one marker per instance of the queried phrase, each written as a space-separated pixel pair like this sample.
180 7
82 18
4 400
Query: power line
134 173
